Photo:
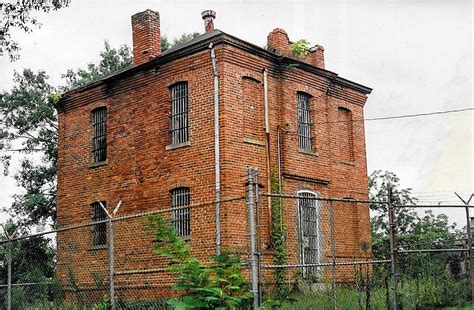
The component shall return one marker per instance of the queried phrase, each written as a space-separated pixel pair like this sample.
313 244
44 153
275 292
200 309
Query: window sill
254 142
98 247
348 162
98 164
311 153
177 146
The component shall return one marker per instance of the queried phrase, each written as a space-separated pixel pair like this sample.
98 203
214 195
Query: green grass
426 293
347 299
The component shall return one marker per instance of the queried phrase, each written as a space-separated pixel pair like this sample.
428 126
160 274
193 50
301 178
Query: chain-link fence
330 263
109 261
299 250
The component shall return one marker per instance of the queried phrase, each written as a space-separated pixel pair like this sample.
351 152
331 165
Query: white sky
416 55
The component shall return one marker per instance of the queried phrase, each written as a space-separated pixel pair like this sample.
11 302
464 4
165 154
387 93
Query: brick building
182 126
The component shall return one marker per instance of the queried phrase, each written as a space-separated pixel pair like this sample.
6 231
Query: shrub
219 285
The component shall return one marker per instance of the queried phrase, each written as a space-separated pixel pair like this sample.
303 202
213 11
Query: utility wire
419 114
403 116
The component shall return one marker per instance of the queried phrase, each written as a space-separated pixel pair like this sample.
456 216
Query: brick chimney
146 36
278 41
316 56
208 17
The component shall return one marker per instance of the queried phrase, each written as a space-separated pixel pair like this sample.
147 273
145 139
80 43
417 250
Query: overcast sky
416 55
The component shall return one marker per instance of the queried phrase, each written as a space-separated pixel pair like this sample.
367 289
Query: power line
382 118
419 114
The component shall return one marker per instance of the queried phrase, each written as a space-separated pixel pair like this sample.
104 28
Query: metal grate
180 218
304 121
99 138
99 231
179 113
310 232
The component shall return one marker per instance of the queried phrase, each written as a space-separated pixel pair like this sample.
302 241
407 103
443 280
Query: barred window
99 138
179 113
99 230
304 121
180 218
309 232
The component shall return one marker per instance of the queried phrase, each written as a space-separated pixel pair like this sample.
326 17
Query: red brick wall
326 171
141 171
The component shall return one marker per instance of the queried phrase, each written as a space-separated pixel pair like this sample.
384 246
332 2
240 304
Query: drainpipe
216 150
267 149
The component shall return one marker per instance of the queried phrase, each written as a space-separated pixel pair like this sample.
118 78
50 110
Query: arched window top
178 83
307 193
251 79
304 94
102 107
344 109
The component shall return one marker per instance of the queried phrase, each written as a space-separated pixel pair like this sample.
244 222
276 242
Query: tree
32 262
29 128
17 14
185 37
111 60
413 229
379 183
424 276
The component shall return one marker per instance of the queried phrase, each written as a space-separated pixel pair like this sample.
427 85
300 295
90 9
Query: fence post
9 265
111 263
9 276
393 247
469 246
333 253
111 252
253 248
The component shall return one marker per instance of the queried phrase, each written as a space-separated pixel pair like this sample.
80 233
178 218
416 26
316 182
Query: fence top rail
433 250
350 200
432 206
120 218
321 198
366 262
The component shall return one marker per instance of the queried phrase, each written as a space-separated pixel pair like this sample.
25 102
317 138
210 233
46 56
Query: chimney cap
208 14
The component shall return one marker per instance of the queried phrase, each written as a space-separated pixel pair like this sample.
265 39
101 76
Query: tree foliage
426 279
29 126
414 230
111 60
17 15
185 37
379 183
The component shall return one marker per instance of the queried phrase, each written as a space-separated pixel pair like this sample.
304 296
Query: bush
219 285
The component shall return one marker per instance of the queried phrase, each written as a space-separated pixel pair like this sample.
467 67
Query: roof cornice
216 38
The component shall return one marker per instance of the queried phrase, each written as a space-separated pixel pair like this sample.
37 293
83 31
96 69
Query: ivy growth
219 285
279 241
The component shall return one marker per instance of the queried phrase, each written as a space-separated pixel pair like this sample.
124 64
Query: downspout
216 150
267 149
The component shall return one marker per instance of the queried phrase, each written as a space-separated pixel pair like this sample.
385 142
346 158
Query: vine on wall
279 241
